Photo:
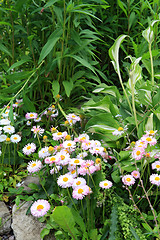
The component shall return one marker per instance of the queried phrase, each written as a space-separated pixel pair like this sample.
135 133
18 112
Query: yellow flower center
40 207
69 144
73 171
65 179
105 184
147 154
59 133
128 179
29 147
9 128
151 132
73 116
62 157
138 152
78 183
157 178
76 161
15 138
66 122
120 129
52 159
148 139
33 165
31 115
68 137
80 190
8 139
157 166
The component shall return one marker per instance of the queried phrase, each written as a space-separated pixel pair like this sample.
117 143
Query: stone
30 179
25 227
11 238
5 219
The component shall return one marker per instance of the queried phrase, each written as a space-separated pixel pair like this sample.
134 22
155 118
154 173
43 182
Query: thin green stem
71 199
151 58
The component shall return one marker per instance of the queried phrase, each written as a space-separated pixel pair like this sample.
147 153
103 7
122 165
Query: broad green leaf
68 86
104 104
4 49
52 40
149 124
44 232
79 220
63 216
55 88
134 233
132 19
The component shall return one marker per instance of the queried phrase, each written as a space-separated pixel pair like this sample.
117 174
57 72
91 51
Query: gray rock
11 238
24 226
28 180
5 218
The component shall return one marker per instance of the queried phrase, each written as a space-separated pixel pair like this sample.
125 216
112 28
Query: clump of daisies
73 161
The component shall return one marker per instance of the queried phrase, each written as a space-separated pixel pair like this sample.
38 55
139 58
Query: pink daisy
135 174
34 166
29 148
65 181
40 208
128 180
78 182
105 184
156 165
150 140
31 115
37 130
138 153
155 179
80 192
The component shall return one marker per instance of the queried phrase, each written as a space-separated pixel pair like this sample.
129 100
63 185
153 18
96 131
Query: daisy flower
96 150
63 157
156 165
29 148
28 123
135 174
155 179
38 119
4 122
119 131
82 155
138 153
78 182
128 180
82 138
37 131
105 184
44 152
57 136
15 138
40 208
31 115
72 118
9 129
69 144
149 139
80 192
34 166
51 160
76 161
151 132
65 181
3 138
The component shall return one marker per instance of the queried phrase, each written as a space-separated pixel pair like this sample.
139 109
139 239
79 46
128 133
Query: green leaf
4 49
63 216
123 7
55 88
93 234
19 63
5 23
83 62
11 112
79 220
52 40
68 86
28 103
50 3
134 233
44 232
33 186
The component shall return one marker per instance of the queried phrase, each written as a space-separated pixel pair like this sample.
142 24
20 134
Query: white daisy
9 129
15 138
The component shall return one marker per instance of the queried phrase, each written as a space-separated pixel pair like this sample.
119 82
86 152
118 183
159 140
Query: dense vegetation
83 73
